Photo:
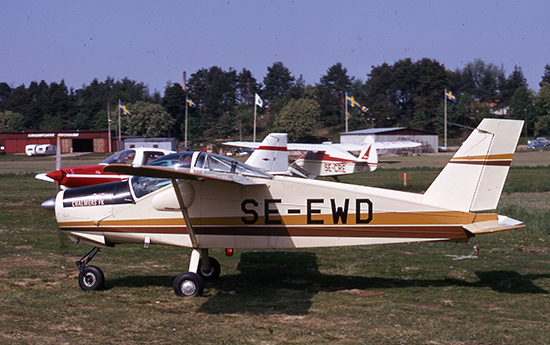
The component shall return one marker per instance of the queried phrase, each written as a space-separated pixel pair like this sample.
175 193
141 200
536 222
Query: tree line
405 93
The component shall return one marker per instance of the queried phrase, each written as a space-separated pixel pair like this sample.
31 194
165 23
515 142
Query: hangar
96 141
428 139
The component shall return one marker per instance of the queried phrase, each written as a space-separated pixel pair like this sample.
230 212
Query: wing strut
183 209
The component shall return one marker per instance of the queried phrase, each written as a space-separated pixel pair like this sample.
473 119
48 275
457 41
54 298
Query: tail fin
271 155
474 178
369 154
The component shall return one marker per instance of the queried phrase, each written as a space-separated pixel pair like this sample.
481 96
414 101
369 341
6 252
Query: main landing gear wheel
188 284
91 278
213 272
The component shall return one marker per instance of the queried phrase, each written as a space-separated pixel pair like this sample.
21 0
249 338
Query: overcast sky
155 41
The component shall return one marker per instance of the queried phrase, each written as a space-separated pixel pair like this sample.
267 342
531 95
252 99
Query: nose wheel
90 277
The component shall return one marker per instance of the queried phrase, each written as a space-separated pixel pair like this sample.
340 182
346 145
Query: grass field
397 294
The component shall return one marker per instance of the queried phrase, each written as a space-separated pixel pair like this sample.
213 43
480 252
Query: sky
153 42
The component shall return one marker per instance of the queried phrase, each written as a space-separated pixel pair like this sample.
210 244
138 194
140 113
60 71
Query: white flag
259 101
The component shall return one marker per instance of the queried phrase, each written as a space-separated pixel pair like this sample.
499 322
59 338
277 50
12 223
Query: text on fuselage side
363 211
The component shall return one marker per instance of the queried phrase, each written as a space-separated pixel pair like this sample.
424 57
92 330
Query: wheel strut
86 258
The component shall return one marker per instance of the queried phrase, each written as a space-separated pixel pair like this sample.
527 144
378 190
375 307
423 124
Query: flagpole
186 113
119 130
445 124
255 113
346 112
109 124
184 87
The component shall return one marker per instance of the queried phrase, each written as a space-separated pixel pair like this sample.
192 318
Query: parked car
538 143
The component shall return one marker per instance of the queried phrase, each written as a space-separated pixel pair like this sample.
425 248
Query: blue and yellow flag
122 109
351 101
449 95
191 103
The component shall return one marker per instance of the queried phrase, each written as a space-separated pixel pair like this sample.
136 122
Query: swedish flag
449 95
191 103
122 109
351 101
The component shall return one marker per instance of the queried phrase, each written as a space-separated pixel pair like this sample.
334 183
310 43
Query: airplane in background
87 175
326 159
203 201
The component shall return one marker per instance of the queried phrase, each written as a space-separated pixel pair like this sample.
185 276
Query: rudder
474 178
271 155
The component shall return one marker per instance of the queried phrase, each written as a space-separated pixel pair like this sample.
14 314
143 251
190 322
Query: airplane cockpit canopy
207 162
121 157
195 162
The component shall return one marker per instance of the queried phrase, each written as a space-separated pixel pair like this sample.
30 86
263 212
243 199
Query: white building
429 140
170 144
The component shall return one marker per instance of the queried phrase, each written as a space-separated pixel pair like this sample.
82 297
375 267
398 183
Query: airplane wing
158 172
307 147
247 144
396 144
325 147
353 147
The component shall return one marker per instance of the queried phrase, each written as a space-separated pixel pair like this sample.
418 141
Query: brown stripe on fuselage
408 225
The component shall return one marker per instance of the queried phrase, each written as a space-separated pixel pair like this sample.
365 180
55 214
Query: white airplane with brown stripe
326 159
202 201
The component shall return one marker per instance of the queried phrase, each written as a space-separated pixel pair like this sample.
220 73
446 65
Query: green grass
409 293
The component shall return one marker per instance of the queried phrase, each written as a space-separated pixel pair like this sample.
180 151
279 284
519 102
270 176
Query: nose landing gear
90 277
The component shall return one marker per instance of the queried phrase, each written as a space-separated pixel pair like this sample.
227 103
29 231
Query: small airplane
326 159
203 201
87 175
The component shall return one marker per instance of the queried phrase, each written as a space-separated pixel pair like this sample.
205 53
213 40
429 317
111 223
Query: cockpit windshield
122 157
175 160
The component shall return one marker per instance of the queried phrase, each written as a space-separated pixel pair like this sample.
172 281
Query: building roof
389 130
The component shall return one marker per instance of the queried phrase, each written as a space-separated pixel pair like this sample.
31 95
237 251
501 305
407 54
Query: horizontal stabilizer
503 223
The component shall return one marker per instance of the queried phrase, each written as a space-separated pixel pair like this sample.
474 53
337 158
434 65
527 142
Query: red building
71 141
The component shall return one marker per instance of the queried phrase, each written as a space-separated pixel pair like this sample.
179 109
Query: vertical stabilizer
271 155
474 178
369 154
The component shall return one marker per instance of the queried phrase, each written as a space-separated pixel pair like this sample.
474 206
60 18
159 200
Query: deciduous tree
299 118
148 120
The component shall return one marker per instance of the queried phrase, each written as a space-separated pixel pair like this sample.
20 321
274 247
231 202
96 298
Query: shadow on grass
286 282
139 281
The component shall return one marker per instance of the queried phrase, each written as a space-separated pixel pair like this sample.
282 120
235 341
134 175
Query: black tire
91 278
188 284
213 273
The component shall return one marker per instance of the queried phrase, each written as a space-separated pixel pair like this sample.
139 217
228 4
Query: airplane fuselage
283 212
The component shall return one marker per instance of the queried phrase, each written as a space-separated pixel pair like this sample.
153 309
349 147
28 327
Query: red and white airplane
201 201
326 159
87 175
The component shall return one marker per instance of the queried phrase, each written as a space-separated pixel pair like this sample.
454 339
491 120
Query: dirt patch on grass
534 249
362 292
15 261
